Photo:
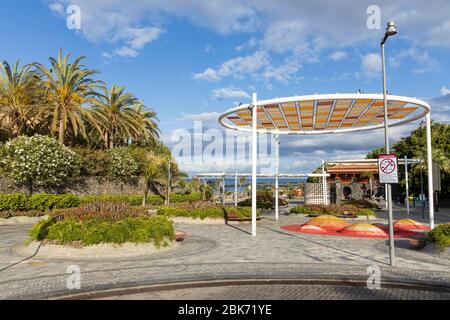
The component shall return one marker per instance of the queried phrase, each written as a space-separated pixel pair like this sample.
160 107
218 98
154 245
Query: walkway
223 252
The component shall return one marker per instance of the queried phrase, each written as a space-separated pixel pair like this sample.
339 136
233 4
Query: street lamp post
391 30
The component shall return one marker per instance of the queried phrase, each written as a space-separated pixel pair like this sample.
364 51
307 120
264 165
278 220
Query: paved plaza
220 252
285 292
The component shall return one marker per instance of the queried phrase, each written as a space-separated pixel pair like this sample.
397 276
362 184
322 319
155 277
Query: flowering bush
122 165
38 161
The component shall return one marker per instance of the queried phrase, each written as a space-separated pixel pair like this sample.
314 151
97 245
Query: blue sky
191 59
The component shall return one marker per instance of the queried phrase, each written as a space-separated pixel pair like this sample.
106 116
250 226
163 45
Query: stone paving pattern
223 252
286 292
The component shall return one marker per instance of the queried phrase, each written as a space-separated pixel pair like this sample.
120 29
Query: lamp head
391 29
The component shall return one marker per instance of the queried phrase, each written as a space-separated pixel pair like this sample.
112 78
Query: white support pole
324 184
235 189
407 186
254 159
277 169
430 172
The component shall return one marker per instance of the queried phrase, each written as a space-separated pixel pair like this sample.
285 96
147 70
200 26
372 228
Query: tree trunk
30 186
111 141
61 131
106 138
145 194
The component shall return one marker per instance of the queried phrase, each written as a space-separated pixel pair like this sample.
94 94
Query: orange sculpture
363 229
328 222
409 224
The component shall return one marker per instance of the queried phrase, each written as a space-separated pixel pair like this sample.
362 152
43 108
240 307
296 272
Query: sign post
388 173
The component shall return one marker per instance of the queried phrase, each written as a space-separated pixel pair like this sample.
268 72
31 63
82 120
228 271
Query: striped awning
325 113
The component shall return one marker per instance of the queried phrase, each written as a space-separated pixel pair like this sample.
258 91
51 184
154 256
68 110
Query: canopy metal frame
422 106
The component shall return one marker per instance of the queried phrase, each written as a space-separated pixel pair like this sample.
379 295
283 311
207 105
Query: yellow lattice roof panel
325 113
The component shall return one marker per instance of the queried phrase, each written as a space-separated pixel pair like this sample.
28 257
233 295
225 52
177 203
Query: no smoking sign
388 168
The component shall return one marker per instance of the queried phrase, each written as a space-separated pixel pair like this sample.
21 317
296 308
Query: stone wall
85 186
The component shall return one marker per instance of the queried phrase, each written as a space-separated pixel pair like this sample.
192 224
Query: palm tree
68 87
119 115
152 175
148 125
19 91
242 180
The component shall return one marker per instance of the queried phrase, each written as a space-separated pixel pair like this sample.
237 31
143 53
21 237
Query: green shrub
332 209
94 231
364 204
241 212
40 230
95 162
13 202
440 235
134 200
104 210
264 200
190 197
122 165
366 212
195 213
37 202
259 204
44 202
39 161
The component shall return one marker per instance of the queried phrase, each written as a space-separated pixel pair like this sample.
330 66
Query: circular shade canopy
327 113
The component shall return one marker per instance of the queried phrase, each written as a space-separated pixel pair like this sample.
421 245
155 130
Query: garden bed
98 252
343 211
205 212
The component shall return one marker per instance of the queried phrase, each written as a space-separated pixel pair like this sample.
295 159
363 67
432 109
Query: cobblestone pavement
286 292
221 252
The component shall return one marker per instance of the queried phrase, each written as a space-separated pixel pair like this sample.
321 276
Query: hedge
332 209
37 202
195 213
44 202
202 213
134 200
158 230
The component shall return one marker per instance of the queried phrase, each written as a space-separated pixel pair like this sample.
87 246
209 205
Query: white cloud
205 117
124 52
422 60
139 37
228 93
371 65
57 8
237 67
445 91
285 25
338 55
283 73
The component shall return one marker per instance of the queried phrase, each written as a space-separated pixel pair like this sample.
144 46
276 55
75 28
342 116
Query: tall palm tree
148 124
118 115
19 92
153 175
68 88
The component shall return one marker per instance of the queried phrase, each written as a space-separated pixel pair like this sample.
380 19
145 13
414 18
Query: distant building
354 181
